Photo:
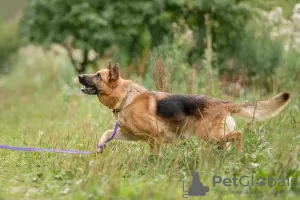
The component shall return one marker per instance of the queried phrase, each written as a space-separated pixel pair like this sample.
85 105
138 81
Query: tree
134 25
93 25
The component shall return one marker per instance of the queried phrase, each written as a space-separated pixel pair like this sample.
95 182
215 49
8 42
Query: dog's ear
109 66
114 72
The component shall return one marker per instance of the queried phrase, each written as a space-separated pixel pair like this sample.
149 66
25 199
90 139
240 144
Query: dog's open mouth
89 90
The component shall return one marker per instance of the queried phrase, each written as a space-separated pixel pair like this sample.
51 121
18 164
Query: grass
41 106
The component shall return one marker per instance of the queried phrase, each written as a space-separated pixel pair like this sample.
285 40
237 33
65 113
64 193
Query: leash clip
117 113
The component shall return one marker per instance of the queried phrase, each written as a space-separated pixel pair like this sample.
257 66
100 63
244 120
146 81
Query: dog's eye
98 75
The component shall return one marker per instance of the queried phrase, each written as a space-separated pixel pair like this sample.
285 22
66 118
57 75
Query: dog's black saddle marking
177 105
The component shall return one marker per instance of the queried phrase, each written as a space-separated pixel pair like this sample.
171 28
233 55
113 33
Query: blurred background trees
9 43
134 26
208 38
9 37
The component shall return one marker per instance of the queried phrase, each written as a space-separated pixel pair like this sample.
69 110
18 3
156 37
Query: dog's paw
100 150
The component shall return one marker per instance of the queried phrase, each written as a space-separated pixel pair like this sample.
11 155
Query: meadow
42 106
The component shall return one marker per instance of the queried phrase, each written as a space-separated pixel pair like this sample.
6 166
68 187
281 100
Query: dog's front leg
107 134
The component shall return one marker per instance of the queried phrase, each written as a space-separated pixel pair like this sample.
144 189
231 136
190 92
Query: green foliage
286 5
223 28
9 43
259 54
292 65
94 24
290 68
132 25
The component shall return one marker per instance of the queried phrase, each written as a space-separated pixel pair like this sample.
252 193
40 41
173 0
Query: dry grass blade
162 73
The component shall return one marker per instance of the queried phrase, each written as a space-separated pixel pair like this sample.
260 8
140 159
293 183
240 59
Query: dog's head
102 82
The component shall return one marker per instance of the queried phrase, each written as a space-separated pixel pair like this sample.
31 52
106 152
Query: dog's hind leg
236 137
155 145
119 136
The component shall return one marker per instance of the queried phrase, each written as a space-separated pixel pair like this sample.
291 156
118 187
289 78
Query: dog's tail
266 109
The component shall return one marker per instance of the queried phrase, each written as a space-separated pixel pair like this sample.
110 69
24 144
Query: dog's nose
80 77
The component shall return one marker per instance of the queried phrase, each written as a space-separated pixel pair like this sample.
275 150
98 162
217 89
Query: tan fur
139 121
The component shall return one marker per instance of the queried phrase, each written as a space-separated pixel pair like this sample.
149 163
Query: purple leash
59 150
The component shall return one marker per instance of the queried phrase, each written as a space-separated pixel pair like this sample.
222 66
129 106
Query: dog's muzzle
88 87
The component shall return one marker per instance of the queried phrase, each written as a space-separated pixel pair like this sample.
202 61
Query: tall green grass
42 106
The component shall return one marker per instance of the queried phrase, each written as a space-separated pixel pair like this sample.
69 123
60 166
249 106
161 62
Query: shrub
222 27
259 54
95 25
131 25
289 73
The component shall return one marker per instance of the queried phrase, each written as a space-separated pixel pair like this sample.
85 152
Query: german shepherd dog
159 117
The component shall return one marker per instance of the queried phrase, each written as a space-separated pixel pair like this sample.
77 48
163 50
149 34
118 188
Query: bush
259 54
132 25
218 28
95 25
9 43
289 73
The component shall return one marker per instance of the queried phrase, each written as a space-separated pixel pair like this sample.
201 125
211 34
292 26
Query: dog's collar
118 110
